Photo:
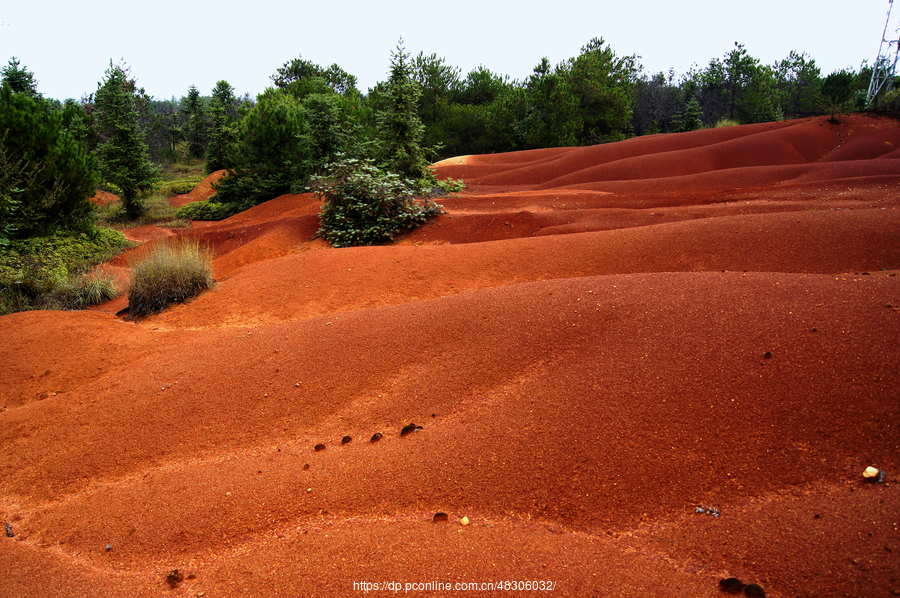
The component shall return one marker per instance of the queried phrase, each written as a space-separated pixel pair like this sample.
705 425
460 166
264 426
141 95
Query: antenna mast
886 63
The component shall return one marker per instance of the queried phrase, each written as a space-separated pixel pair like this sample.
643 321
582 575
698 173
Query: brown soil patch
638 369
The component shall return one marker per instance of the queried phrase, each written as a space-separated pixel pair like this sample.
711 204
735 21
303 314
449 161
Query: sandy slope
596 342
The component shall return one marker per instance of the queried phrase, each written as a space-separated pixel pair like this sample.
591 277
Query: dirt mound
636 369
201 192
103 198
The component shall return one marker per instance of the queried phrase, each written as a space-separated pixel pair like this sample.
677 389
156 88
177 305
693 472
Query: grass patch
726 122
173 271
45 272
84 290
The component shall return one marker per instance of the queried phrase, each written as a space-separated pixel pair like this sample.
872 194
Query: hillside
638 368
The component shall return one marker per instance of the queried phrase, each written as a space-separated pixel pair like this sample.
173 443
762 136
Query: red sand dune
596 342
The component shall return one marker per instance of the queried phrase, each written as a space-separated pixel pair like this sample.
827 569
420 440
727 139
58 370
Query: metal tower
886 63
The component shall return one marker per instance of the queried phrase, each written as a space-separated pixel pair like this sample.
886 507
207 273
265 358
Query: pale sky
172 45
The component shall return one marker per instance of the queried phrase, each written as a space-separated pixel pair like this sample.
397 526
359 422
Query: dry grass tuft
172 272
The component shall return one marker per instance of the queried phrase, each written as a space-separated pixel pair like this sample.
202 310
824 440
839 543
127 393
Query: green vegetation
315 130
46 171
362 205
172 272
124 156
50 272
838 90
399 124
223 115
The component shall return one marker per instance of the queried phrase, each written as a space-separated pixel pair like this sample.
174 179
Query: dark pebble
376 436
408 429
752 590
9 532
440 516
306 466
731 585
768 355
346 439
320 447
174 578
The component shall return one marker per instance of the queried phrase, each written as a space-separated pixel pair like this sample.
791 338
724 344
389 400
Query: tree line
53 154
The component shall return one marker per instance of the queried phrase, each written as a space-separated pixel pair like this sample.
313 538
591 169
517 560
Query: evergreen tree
20 79
837 92
399 124
691 120
552 117
603 84
222 116
54 176
196 124
797 81
124 156
269 156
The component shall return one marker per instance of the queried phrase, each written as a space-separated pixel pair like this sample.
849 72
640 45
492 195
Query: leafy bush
362 205
172 272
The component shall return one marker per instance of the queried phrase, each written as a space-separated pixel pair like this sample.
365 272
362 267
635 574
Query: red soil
202 191
597 341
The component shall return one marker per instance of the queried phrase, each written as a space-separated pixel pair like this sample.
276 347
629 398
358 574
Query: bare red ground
596 342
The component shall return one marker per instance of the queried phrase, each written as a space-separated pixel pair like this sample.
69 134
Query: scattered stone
346 439
9 532
873 475
376 437
306 466
753 590
767 355
108 547
174 577
440 516
464 521
319 447
410 429
731 585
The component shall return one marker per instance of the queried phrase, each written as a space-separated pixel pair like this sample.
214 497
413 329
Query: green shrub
726 122
35 272
207 210
180 186
891 100
362 205
172 272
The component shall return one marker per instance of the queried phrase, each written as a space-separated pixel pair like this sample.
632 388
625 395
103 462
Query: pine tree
54 177
222 116
20 79
197 136
123 153
400 126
